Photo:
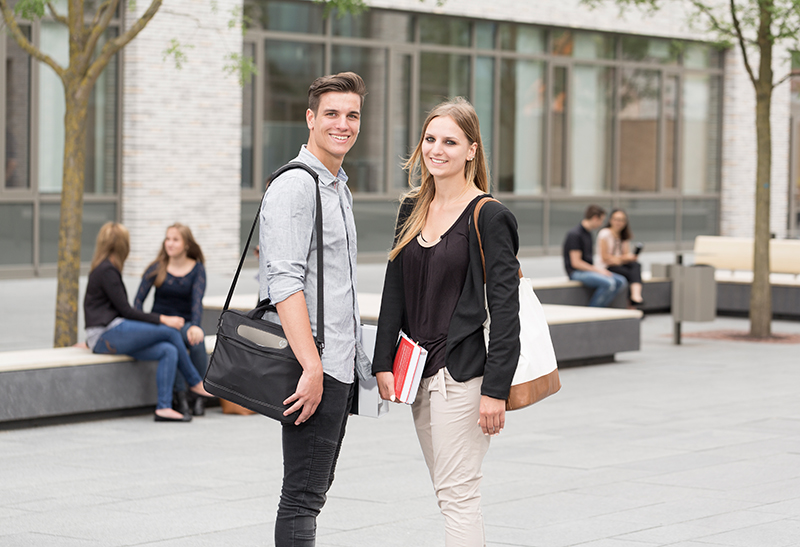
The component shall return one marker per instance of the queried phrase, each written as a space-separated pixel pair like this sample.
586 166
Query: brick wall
181 133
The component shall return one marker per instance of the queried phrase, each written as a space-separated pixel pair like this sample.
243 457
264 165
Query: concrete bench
656 291
58 382
733 259
580 334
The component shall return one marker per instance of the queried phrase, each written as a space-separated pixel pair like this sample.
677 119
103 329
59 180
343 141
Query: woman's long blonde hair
113 243
475 171
193 251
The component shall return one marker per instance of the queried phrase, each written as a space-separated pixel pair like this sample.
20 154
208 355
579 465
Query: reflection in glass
446 31
18 110
290 69
670 132
399 119
700 217
382 25
638 123
442 76
650 50
94 216
16 233
364 162
591 135
565 215
593 45
522 38
248 121
305 17
485 33
521 126
700 133
697 56
558 128
101 138
651 220
484 102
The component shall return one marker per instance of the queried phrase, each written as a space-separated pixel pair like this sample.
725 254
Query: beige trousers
446 416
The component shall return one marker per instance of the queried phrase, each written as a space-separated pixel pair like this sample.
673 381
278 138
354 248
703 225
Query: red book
409 361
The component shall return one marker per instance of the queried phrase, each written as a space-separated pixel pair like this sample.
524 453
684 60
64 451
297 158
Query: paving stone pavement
690 446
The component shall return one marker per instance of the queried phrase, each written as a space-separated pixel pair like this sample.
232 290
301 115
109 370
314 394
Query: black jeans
310 451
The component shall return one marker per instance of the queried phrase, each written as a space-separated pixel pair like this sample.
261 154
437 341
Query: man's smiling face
333 130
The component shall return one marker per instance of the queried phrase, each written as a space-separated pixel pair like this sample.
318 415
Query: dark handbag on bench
252 363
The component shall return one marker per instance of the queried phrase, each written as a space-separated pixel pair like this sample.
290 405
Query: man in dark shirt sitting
579 260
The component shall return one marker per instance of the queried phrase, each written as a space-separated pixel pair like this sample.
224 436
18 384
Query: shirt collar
325 176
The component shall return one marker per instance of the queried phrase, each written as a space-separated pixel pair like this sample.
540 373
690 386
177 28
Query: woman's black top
433 278
181 296
106 298
465 353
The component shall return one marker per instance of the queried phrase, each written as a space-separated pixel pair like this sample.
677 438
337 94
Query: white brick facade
181 132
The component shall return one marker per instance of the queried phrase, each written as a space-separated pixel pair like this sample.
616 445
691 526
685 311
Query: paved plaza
693 446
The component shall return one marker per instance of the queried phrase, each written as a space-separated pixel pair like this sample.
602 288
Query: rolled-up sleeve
286 226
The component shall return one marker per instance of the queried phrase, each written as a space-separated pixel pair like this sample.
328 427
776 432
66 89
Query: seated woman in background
114 327
180 280
614 249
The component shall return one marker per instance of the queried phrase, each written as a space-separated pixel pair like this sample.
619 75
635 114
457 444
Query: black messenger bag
252 363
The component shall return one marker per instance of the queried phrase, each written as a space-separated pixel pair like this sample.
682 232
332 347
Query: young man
288 273
579 258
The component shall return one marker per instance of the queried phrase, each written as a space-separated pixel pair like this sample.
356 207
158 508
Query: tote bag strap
320 339
478 233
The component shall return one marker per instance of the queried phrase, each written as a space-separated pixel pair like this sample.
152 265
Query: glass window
591 135
248 122
375 221
364 163
700 133
248 213
638 125
522 38
697 56
399 119
593 45
530 221
558 128
521 139
305 17
485 33
650 50
484 102
101 137
16 233
382 25
18 108
699 217
565 215
795 80
442 76
290 69
94 216
445 31
651 220
670 132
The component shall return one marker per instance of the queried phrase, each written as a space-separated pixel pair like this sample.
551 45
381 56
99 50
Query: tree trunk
761 292
71 224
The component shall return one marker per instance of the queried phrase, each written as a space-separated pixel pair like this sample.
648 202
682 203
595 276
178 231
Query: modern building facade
577 106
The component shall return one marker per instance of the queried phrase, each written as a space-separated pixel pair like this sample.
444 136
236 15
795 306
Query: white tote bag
536 376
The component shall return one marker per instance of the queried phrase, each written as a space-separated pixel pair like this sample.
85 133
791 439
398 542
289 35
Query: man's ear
310 119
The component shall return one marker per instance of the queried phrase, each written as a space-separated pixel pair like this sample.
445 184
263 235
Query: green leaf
176 50
243 66
30 9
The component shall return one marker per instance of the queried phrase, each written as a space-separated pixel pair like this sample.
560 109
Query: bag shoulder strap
475 214
320 339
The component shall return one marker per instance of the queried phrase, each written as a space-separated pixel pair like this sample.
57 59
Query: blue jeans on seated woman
197 354
149 342
608 286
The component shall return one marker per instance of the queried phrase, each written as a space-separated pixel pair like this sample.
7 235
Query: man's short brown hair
344 82
594 211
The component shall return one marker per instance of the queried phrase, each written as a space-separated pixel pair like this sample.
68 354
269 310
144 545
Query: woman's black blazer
465 355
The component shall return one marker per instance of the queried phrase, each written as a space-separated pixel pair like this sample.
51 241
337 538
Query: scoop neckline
471 205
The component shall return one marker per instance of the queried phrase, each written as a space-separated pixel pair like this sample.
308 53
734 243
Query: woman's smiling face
445 148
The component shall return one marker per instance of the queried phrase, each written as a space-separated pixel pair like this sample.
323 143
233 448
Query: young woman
614 248
114 327
180 280
434 292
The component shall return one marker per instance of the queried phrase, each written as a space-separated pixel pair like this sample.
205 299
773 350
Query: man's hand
308 394
195 335
386 386
493 415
